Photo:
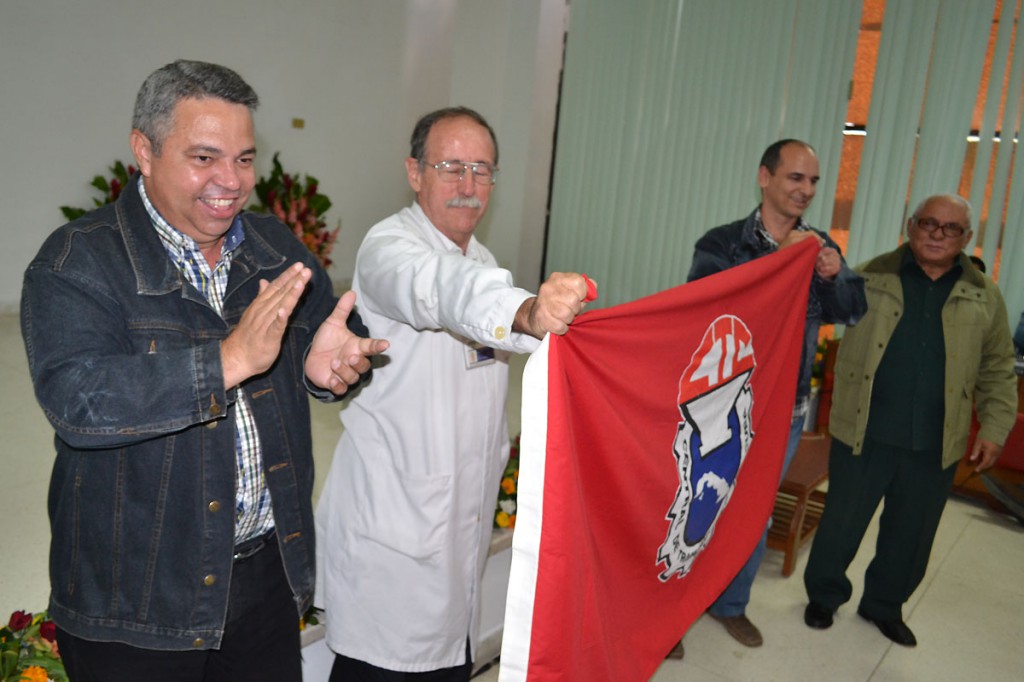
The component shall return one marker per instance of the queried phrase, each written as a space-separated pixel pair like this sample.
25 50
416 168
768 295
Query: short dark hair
418 142
771 157
184 79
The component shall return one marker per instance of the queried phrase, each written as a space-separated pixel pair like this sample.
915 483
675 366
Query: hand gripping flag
653 438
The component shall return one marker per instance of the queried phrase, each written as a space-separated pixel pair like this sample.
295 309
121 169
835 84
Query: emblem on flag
712 439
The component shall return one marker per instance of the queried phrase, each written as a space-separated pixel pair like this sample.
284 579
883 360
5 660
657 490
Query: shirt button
499 333
214 506
209 580
198 643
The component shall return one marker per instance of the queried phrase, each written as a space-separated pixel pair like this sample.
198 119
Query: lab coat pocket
405 513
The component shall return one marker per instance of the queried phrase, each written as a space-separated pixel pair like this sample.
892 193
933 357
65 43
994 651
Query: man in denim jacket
788 176
172 341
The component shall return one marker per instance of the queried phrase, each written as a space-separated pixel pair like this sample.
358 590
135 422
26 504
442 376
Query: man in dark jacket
788 176
173 340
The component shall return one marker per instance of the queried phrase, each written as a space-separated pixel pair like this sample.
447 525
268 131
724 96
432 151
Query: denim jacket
125 360
837 301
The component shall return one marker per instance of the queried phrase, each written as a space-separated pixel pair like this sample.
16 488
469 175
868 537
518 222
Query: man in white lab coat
404 521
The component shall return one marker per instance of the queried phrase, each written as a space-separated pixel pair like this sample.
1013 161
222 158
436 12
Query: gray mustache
463 202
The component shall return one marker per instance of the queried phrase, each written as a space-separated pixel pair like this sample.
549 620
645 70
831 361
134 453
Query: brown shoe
677 652
741 629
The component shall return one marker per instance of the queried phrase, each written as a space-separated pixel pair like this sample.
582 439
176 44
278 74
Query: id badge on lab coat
478 355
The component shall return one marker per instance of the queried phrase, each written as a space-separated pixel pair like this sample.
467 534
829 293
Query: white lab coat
404 520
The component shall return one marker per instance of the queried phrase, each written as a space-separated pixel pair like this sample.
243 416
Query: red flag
653 437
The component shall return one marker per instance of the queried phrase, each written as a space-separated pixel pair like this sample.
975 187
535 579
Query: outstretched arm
556 305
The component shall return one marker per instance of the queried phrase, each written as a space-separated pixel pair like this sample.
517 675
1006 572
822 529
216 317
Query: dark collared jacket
125 359
837 301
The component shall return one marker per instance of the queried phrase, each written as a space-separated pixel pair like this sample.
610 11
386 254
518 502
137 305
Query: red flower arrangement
296 202
28 649
300 206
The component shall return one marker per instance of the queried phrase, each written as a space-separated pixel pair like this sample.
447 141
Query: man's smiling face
204 173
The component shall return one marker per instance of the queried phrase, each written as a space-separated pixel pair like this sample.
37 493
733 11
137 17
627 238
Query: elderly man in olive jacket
934 345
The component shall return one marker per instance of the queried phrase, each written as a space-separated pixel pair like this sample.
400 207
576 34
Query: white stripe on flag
522 584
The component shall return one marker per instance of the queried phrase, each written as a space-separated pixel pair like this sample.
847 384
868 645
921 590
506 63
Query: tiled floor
968 614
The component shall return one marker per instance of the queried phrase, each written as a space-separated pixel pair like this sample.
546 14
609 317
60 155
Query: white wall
360 72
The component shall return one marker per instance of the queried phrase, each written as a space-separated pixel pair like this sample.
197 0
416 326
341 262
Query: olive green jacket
979 357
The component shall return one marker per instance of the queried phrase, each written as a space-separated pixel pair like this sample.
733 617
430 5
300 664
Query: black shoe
894 629
817 616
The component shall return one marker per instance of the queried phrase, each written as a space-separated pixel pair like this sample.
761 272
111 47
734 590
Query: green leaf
120 172
100 183
72 213
319 204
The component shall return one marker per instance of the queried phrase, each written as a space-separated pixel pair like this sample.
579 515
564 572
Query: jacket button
214 506
209 580
212 425
198 643
215 410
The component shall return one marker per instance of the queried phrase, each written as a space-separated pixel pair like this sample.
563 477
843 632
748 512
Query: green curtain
667 105
666 108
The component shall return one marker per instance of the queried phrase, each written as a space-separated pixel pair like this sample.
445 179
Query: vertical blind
668 104
929 66
666 108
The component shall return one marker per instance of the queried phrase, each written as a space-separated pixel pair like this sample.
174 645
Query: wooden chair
799 503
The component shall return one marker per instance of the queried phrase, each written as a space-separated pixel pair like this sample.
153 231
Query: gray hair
953 199
183 79
418 142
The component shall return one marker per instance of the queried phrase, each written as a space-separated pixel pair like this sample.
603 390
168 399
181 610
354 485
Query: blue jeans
733 601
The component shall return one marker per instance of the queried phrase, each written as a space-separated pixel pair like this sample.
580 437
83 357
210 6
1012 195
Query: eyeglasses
929 225
453 171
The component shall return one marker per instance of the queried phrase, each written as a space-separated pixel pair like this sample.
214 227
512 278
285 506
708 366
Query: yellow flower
502 519
34 673
508 485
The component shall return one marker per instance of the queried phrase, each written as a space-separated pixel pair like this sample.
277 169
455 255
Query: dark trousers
914 487
261 638
347 669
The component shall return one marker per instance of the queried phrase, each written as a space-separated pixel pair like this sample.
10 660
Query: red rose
19 621
48 631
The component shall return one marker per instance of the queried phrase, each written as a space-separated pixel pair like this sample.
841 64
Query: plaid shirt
802 404
253 515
